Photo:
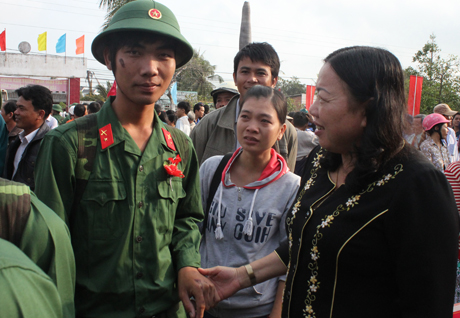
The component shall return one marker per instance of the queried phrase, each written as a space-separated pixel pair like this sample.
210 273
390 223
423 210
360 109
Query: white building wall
18 64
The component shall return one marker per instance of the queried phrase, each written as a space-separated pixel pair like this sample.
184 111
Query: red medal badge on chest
168 139
105 133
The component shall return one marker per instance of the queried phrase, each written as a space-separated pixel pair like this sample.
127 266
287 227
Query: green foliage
195 74
441 80
291 107
291 87
112 7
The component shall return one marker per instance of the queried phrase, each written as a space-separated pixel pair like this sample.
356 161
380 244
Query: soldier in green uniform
133 222
25 290
30 225
57 109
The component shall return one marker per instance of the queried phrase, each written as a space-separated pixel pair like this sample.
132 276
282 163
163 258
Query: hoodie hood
274 170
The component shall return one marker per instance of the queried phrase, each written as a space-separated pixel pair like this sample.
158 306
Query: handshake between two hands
208 287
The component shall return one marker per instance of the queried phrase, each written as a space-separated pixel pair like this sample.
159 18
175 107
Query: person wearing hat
57 109
451 139
131 196
435 126
223 94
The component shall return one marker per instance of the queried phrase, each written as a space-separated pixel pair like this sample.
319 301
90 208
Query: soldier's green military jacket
25 290
59 119
135 226
41 235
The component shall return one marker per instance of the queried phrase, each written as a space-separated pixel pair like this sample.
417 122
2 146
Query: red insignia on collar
169 140
105 133
155 14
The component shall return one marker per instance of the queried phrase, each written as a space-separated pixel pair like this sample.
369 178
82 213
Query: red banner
3 41
113 90
415 95
310 96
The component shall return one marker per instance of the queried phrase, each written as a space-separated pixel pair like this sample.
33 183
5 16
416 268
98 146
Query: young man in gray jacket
255 64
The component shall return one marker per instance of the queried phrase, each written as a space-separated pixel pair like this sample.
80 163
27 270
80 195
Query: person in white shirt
33 107
182 119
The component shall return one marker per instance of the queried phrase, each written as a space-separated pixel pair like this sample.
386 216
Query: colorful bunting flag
80 45
61 44
3 41
42 42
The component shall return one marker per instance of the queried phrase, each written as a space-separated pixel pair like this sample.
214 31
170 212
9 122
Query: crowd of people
348 209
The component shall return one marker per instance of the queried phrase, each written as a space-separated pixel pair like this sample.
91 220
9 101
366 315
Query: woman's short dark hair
9 107
276 98
375 79
435 128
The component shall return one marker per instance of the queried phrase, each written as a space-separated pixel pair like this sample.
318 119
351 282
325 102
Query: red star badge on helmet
155 14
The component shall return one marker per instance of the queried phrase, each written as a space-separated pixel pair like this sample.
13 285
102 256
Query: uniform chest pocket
166 202
171 189
106 209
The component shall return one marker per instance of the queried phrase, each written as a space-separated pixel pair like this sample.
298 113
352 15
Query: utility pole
88 78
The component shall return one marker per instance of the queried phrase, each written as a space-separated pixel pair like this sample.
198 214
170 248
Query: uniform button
139 239
140 204
139 275
141 168
141 310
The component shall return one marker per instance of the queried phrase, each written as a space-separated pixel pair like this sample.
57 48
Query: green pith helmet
147 16
57 107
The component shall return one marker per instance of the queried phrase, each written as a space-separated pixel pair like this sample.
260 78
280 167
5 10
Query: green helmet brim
134 17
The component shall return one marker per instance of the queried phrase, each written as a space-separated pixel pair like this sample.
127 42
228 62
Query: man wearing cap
223 94
255 64
134 230
451 140
57 109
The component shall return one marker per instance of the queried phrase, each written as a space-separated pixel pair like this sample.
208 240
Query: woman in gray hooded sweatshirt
246 219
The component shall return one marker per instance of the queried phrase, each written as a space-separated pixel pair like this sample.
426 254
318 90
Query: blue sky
302 32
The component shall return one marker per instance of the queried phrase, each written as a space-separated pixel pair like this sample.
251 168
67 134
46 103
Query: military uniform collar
107 116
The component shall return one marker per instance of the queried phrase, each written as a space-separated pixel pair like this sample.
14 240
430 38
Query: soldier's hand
192 284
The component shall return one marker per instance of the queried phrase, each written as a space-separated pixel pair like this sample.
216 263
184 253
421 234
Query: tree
291 87
112 7
441 80
194 76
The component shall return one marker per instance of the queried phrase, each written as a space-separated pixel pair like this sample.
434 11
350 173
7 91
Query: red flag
415 95
113 90
310 95
80 45
3 41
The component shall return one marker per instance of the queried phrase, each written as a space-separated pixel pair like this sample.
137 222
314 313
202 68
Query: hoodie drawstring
218 231
248 226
